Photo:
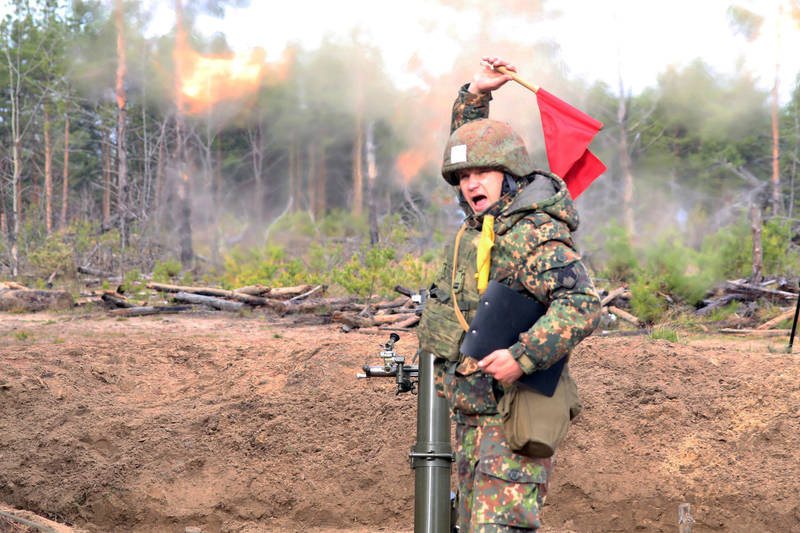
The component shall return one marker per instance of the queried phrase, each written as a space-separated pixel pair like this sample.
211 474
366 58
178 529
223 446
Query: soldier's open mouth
479 202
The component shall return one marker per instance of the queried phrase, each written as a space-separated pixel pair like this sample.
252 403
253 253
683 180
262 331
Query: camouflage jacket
534 253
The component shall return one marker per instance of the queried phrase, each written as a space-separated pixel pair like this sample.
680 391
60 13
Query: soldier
532 216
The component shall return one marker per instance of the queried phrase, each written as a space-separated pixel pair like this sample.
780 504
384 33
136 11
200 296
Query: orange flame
203 81
208 80
409 164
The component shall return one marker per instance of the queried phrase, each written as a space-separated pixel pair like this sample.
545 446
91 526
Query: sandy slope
249 424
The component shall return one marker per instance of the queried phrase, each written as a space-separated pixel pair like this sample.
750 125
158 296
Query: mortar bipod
431 457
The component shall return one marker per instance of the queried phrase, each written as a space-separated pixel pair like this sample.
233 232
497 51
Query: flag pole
524 83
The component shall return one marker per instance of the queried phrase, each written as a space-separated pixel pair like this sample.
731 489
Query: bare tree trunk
218 172
755 225
298 173
160 166
48 171
107 178
358 175
184 186
144 200
776 182
322 181
312 166
16 188
217 195
372 175
794 160
122 119
65 180
257 158
3 227
625 160
14 81
292 172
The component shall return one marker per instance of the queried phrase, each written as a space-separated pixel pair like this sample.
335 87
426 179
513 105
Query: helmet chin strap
509 184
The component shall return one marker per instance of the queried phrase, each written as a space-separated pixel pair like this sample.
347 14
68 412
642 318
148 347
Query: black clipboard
502 315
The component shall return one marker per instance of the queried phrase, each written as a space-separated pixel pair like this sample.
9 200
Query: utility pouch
535 424
439 330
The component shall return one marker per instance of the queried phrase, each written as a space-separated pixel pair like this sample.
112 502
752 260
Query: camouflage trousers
499 491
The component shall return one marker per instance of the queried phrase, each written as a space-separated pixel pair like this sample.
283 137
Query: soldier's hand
487 79
502 366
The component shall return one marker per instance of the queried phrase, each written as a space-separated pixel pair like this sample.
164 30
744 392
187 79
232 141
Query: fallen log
756 291
619 291
12 285
756 332
327 304
400 301
318 288
408 322
117 300
23 300
209 291
253 290
392 318
352 319
216 303
289 292
99 281
624 315
94 272
769 324
711 305
622 332
150 310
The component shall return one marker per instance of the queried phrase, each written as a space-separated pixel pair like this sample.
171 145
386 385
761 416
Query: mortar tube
432 455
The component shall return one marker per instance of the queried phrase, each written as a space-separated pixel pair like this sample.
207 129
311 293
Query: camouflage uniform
499 490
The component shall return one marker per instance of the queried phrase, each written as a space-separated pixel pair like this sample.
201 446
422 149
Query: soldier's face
480 186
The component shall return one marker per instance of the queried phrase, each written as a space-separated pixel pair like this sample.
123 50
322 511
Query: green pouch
439 331
535 424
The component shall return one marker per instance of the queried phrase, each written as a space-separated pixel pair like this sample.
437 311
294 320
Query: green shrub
132 277
724 312
54 254
646 304
366 273
621 262
673 268
664 333
165 271
728 253
340 223
776 237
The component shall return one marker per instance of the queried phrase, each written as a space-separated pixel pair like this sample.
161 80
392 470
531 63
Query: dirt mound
234 424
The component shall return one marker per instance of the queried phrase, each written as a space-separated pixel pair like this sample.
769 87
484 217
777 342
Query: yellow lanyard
485 245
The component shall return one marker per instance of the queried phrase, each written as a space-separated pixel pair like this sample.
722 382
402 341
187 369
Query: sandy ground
249 424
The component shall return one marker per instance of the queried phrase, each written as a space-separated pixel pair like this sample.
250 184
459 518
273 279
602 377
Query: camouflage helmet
485 143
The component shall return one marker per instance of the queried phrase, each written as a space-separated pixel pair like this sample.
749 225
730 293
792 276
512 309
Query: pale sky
641 37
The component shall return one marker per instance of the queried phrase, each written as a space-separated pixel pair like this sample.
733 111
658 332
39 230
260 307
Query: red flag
567 135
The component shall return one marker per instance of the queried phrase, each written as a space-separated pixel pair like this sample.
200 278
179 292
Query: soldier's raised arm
472 102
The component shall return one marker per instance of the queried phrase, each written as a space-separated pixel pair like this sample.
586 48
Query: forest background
174 157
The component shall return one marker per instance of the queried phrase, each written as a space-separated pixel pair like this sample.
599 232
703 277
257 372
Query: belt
475 420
